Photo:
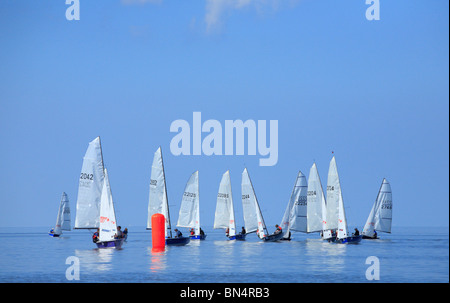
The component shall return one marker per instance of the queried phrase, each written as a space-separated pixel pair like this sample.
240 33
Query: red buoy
158 232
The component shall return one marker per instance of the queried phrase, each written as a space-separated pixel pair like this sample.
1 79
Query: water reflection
157 260
224 255
96 259
322 256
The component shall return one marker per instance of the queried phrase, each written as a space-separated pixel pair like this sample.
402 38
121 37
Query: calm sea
406 255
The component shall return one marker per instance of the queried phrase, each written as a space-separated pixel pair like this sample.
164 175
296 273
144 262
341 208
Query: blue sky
374 92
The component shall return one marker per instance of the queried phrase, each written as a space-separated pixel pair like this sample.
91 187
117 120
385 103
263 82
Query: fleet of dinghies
307 211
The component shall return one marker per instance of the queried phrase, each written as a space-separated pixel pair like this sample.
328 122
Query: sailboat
108 224
158 202
335 193
189 215
94 202
295 213
224 215
380 217
63 217
312 215
254 221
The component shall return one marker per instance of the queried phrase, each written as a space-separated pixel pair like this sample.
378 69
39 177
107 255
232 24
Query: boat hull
332 239
178 241
53 235
198 237
238 237
117 243
370 238
273 237
349 240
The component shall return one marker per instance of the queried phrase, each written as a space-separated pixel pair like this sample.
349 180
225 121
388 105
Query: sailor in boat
243 231
95 236
356 233
52 231
278 229
375 235
202 233
227 232
178 233
119 234
125 233
192 232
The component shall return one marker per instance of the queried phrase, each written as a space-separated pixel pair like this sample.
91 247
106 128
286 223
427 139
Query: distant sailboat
224 215
380 217
316 208
63 217
253 218
158 202
335 194
294 217
189 215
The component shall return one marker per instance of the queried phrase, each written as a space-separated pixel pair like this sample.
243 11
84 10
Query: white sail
298 216
380 218
108 225
189 215
334 195
63 217
65 222
295 214
157 200
316 209
224 215
252 214
90 187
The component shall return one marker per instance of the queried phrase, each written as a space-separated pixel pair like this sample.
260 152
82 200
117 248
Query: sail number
301 201
153 182
245 197
386 205
85 176
190 195
220 195
311 193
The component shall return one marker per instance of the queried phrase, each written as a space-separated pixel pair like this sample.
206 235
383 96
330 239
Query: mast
165 189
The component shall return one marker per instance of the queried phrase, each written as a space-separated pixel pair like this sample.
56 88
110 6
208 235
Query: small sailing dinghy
335 193
380 217
254 221
296 209
312 216
189 215
108 224
158 202
63 218
224 215
93 191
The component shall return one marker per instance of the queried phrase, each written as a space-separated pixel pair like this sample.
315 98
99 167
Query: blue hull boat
349 240
53 235
273 237
198 237
110 244
178 241
238 237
